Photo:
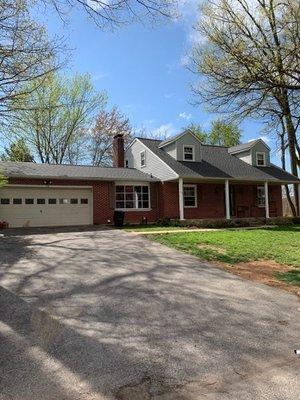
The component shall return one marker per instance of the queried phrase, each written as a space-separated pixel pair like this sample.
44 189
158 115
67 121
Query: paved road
109 315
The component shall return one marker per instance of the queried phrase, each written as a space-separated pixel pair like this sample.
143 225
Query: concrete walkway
111 315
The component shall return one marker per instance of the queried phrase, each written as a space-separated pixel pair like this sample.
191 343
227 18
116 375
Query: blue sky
141 68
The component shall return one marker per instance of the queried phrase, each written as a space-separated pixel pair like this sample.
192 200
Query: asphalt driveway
110 315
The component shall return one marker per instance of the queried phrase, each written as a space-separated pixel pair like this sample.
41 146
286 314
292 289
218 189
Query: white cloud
169 95
164 130
265 138
185 116
98 77
97 5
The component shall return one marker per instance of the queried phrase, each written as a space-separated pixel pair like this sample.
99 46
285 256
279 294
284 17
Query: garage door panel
41 213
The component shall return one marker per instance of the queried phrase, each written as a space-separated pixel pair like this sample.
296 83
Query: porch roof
218 163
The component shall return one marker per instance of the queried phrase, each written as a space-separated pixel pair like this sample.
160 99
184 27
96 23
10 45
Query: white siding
245 156
154 165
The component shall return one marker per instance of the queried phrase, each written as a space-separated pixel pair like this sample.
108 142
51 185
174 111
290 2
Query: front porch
219 200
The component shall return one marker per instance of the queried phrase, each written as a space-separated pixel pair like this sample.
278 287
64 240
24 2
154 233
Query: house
150 180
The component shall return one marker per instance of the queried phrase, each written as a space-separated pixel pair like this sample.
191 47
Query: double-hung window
261 197
188 153
260 159
132 197
190 196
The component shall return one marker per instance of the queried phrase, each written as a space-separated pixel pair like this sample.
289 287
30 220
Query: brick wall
211 201
210 198
102 209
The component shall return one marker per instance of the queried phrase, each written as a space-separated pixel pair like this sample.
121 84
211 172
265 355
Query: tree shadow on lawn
118 322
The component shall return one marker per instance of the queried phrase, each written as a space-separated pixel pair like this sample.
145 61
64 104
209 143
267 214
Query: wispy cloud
98 77
185 115
169 95
164 130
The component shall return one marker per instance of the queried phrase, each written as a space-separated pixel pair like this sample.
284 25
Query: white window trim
264 155
196 197
193 147
134 184
143 152
263 188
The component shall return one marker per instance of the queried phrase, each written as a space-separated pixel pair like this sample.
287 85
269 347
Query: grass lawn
279 244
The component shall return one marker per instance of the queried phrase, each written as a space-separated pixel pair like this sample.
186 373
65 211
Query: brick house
150 180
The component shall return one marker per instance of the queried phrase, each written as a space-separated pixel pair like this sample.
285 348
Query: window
132 197
188 153
29 201
190 196
52 201
5 201
143 158
63 201
260 159
261 198
40 201
84 201
74 201
126 163
17 201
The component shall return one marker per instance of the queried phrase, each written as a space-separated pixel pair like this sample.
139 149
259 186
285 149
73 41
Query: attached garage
27 206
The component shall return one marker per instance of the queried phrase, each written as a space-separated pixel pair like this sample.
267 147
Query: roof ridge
65 165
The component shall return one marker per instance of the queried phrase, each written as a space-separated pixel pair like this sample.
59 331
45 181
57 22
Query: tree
221 133
108 123
25 53
198 131
3 180
119 12
18 151
250 62
224 133
50 117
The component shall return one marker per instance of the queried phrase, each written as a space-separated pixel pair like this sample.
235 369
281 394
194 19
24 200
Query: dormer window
143 158
188 153
261 159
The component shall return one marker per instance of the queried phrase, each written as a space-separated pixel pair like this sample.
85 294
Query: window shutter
153 194
112 195
199 194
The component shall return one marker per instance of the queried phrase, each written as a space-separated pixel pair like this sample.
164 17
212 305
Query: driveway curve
105 314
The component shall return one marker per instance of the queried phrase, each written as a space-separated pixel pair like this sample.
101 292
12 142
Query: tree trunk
291 136
283 164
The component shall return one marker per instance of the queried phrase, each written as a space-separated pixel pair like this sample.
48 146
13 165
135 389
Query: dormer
183 147
256 153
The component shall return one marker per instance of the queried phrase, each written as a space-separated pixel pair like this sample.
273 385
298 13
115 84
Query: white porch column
181 207
227 199
267 200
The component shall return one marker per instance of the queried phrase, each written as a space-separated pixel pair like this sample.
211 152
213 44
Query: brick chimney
118 151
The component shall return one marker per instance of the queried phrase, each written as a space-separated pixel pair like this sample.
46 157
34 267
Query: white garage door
31 206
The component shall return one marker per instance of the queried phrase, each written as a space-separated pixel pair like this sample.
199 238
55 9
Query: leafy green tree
249 63
26 54
18 151
51 117
198 131
3 180
224 133
221 133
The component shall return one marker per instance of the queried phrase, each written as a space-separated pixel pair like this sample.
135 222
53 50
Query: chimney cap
119 135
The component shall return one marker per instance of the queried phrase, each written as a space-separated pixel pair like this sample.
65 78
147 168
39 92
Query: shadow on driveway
105 310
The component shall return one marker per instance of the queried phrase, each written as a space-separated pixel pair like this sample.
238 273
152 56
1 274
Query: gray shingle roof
82 172
244 146
217 163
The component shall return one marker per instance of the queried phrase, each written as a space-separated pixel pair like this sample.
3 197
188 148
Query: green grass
280 244
152 228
